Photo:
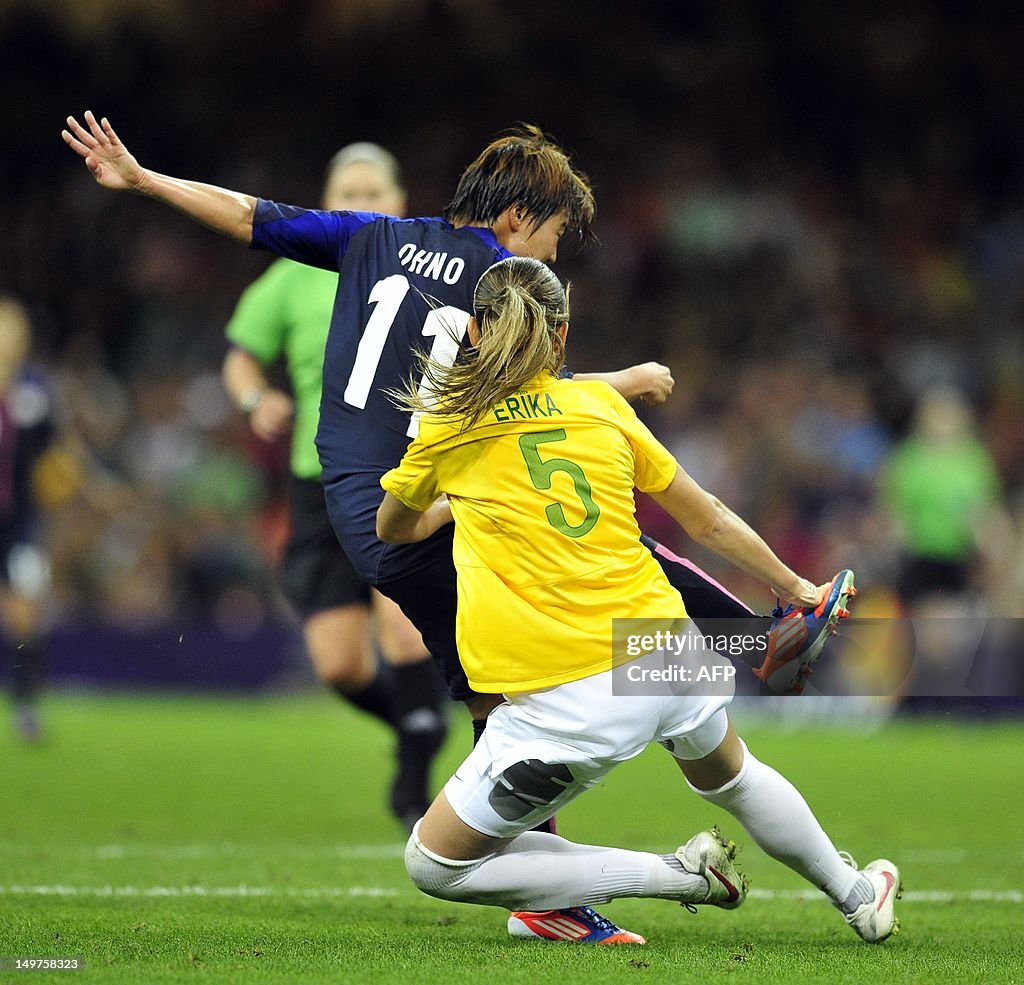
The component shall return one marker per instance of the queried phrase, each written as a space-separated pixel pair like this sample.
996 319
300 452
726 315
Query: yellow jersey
546 546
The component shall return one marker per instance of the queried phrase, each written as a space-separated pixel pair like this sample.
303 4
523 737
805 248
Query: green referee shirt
938 493
287 311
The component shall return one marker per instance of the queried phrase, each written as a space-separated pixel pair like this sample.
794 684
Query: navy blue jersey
406 286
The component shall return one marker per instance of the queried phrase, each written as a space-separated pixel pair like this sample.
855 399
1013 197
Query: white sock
777 817
544 872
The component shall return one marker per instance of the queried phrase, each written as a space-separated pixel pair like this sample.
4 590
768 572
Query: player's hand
654 382
105 156
273 415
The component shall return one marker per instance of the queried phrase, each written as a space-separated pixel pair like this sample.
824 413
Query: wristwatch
250 400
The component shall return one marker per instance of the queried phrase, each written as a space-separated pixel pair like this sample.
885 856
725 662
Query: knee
347 677
342 660
714 770
436 876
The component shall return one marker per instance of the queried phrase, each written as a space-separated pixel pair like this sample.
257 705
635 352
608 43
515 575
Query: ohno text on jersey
427 263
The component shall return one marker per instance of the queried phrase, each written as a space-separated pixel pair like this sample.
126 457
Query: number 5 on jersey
541 473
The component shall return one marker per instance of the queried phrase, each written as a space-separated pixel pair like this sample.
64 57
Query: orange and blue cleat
798 635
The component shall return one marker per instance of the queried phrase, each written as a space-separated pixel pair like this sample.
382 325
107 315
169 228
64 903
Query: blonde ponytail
519 304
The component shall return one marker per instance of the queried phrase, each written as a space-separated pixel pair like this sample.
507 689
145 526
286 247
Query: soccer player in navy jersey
285 313
406 286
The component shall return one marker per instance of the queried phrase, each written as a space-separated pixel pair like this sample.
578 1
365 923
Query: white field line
199 851
909 895
1011 896
327 892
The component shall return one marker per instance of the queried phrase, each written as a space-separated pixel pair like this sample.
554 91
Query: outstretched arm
711 523
226 212
650 383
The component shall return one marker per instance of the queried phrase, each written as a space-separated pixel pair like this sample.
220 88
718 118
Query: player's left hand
105 156
653 382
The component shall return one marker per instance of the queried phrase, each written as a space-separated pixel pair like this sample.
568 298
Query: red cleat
580 924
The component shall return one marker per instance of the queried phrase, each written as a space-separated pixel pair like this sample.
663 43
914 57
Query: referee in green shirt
286 313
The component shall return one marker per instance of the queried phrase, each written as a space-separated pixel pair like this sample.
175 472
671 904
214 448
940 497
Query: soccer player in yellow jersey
539 476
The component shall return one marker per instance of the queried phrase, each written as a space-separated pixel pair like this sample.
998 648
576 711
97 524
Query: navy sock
419 703
479 724
418 696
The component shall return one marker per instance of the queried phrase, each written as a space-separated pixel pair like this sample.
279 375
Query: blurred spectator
940 486
25 433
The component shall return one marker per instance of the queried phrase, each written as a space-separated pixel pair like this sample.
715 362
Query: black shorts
315 572
921 576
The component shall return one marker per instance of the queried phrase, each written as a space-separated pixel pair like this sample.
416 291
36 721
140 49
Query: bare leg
339 645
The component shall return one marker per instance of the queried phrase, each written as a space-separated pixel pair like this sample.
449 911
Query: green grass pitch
245 840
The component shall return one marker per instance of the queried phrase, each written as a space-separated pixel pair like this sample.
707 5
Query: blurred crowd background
814 214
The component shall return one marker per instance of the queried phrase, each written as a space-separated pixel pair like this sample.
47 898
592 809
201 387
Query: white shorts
542 749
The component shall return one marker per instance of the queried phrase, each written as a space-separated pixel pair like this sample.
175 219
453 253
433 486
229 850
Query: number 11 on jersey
445 325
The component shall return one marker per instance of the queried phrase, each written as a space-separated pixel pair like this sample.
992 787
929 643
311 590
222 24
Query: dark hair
524 168
518 304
